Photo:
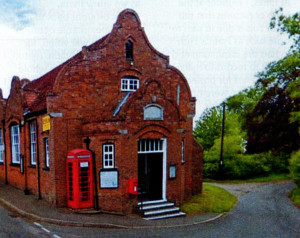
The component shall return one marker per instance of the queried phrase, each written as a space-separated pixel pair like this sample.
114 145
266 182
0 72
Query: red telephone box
79 179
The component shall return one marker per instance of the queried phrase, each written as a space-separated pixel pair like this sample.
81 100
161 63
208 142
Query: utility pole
221 164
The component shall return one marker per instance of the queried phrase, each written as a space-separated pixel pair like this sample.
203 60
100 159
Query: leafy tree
273 124
289 25
208 127
295 167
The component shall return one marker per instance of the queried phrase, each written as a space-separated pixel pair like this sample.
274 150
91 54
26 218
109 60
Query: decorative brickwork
84 99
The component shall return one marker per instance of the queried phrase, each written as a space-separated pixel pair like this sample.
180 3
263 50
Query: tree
208 127
289 25
273 124
244 102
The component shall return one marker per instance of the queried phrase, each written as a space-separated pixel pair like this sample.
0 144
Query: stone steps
161 209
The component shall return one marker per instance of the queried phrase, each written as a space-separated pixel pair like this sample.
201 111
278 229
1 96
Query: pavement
30 207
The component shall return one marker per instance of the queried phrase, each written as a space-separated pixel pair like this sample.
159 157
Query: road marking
46 230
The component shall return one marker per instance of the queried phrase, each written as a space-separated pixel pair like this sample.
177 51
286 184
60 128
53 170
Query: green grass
295 196
269 178
213 199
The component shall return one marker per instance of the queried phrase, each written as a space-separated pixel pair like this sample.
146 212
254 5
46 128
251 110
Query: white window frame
182 152
147 146
32 130
1 147
108 156
15 144
46 142
153 112
129 84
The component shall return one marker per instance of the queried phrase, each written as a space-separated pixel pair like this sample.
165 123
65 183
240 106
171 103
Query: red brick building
121 98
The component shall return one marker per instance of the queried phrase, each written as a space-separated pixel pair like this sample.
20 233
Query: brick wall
83 100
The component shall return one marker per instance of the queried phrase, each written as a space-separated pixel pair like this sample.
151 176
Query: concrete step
161 211
165 216
156 206
152 202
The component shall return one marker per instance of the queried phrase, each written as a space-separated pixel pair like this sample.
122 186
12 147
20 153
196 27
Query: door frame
164 161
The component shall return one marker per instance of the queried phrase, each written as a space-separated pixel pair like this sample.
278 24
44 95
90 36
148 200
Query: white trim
15 144
47 156
129 84
32 132
156 148
108 156
164 180
152 202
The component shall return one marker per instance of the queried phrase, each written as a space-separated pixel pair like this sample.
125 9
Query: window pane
15 144
108 156
46 153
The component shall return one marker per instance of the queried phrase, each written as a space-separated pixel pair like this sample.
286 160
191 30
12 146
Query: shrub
295 167
246 166
279 162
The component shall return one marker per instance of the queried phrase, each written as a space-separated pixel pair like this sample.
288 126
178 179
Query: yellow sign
46 123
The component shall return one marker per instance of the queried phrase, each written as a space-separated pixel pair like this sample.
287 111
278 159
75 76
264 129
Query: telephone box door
79 179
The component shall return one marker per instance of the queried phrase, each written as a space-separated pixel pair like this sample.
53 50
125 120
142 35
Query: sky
219 45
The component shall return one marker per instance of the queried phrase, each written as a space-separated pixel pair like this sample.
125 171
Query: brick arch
152 131
133 72
141 93
13 121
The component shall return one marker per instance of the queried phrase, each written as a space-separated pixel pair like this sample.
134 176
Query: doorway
151 169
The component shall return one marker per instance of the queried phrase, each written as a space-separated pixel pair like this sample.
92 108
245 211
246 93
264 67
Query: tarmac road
15 227
263 210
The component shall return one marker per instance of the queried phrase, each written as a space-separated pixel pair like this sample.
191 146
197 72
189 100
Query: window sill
14 165
32 166
46 169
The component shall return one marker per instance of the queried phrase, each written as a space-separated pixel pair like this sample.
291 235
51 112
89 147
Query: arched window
153 112
129 50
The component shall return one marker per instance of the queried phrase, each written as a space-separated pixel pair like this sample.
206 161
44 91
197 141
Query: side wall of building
28 171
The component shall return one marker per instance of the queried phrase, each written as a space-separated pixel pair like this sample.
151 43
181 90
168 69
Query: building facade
118 97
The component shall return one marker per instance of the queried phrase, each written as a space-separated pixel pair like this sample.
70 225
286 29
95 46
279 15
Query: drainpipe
23 156
4 141
87 141
38 160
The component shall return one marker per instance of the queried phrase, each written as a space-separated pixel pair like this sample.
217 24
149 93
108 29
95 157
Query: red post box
133 186
79 179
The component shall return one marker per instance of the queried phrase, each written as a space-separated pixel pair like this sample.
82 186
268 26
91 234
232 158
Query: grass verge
269 178
295 196
213 199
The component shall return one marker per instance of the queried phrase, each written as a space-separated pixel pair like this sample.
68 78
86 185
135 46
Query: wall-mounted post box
133 186
79 179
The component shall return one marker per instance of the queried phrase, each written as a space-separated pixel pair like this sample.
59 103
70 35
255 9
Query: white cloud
17 14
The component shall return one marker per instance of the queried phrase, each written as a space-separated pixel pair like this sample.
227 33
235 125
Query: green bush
295 167
279 162
246 166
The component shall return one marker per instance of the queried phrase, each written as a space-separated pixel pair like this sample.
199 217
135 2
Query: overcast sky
219 45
